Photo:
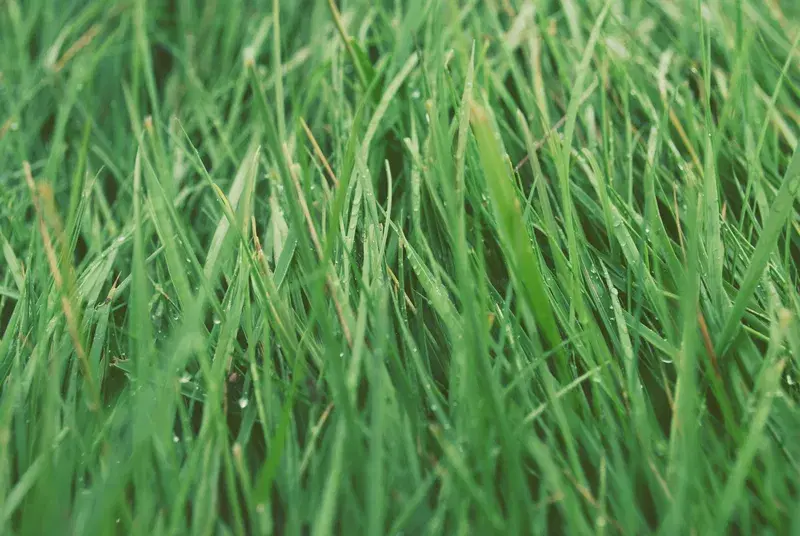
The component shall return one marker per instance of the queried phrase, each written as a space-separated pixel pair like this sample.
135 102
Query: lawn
402 267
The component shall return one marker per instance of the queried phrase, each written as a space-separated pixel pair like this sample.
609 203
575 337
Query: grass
420 267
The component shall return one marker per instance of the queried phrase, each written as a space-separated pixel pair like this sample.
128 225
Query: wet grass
421 267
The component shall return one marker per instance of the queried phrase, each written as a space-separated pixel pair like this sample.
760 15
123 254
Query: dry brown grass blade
70 309
330 279
319 153
83 41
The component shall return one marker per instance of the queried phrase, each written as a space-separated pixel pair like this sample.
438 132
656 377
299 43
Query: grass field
410 267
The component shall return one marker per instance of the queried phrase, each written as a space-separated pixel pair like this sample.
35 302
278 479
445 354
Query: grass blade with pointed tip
517 243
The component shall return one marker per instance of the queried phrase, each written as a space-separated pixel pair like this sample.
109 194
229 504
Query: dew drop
243 403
